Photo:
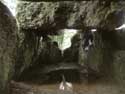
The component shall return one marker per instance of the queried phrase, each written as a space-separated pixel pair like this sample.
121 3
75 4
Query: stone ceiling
52 16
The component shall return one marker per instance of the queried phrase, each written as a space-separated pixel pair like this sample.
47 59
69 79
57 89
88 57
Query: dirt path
78 88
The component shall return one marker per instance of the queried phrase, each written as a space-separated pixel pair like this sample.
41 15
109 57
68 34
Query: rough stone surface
120 37
69 14
51 16
101 57
8 44
27 49
119 66
47 0
105 59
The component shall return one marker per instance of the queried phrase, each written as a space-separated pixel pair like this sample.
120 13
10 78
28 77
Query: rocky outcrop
8 47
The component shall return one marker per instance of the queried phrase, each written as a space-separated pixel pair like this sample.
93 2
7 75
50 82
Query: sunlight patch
68 34
64 39
11 4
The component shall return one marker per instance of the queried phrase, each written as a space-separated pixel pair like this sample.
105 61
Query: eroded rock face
69 14
8 44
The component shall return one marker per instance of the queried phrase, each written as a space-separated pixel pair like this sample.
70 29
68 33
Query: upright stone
8 41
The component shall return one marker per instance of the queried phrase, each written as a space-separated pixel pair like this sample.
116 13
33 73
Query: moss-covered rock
8 47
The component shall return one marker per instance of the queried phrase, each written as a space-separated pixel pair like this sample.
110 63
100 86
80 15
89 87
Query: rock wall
8 47
48 17
70 14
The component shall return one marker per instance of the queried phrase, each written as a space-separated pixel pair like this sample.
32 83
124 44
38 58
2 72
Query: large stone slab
8 44
69 14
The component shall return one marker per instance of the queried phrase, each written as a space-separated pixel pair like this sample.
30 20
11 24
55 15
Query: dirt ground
78 88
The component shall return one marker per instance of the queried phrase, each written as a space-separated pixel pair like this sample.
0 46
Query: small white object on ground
64 85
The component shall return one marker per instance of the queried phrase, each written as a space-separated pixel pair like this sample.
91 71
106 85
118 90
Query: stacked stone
39 18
